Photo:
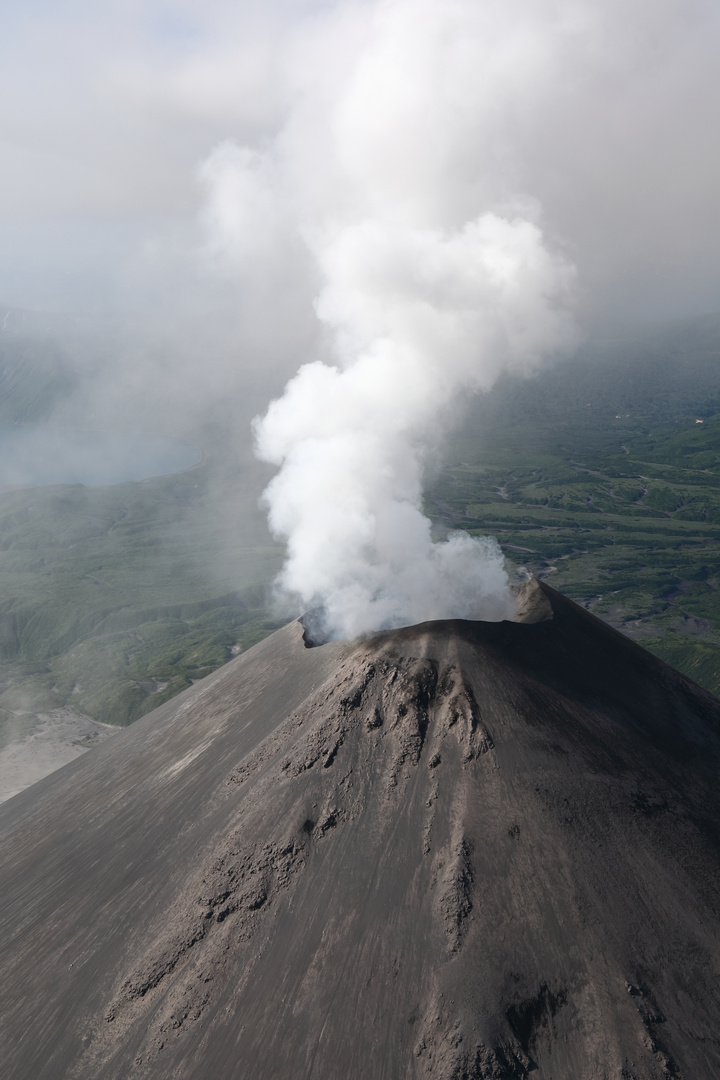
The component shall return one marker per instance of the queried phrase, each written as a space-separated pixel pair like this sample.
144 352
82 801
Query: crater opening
314 630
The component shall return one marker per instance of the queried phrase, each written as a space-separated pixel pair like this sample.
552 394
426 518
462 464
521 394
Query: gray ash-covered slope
458 851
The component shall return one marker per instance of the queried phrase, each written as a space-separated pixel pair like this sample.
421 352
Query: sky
601 114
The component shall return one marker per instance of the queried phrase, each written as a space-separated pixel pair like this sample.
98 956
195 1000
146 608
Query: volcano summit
457 850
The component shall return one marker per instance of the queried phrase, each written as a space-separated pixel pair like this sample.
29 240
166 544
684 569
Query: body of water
34 454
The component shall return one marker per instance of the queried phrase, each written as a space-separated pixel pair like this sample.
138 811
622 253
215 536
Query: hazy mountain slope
457 850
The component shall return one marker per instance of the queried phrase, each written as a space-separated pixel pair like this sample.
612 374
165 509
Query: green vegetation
115 599
600 479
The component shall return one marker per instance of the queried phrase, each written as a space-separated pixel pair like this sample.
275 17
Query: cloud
603 111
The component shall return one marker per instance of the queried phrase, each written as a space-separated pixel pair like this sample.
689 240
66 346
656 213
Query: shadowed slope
459 850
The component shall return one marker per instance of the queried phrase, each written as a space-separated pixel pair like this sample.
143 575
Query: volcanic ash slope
455 851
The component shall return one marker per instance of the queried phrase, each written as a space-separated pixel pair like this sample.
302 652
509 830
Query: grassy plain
603 477
115 599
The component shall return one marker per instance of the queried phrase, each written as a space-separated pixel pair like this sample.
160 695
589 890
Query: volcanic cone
456 851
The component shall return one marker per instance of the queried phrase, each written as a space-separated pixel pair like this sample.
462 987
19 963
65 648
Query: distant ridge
458 850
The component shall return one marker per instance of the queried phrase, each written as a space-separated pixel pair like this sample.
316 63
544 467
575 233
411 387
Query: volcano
459 850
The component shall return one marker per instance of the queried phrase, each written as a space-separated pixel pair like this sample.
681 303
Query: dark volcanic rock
459 851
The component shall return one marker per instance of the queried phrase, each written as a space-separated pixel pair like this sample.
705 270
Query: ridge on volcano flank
457 850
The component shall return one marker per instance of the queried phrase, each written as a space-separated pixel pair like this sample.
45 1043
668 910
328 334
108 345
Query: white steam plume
435 278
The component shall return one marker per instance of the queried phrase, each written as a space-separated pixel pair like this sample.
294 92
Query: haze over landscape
389 315
406 203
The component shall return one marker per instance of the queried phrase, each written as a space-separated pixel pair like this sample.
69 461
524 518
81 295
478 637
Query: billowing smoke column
434 277
420 315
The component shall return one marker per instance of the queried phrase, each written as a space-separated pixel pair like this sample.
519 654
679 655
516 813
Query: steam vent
459 851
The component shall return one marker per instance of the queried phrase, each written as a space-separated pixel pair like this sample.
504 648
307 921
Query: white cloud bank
603 109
